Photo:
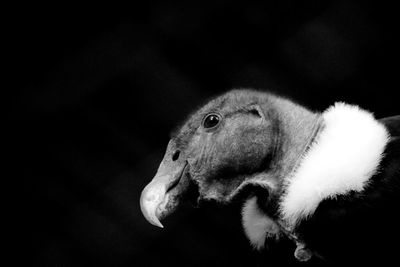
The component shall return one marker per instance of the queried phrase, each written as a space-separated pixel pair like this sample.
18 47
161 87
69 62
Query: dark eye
211 120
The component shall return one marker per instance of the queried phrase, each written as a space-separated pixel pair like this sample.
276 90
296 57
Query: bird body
327 181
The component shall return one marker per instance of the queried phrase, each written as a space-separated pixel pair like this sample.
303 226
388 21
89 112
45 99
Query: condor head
227 150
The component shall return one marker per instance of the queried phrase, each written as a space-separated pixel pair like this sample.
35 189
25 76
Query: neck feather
343 157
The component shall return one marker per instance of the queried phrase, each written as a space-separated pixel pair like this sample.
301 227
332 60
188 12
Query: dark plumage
275 156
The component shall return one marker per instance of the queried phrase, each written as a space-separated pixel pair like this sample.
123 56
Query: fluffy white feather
343 158
257 226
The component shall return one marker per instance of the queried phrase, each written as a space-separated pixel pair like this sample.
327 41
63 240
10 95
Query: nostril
175 156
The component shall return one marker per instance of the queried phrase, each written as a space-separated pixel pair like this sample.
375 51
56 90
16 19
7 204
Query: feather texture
343 157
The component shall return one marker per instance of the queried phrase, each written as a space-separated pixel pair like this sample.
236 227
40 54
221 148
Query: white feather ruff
344 156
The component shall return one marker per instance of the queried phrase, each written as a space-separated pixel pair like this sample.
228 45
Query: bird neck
297 128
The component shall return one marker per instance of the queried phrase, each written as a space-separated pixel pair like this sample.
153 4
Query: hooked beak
161 196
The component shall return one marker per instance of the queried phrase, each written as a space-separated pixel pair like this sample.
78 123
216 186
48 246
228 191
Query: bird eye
211 120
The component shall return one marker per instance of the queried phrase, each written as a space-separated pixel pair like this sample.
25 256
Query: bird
328 181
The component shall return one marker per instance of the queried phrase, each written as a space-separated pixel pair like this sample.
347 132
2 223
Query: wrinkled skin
220 162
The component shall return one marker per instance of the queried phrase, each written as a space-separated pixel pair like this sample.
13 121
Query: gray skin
256 144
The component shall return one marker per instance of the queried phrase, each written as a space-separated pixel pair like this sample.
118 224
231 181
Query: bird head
225 151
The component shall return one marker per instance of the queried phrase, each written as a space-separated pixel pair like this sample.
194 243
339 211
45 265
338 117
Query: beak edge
152 202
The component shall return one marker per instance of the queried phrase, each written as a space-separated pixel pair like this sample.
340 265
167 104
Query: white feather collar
343 157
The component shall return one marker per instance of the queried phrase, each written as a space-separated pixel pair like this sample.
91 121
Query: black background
95 91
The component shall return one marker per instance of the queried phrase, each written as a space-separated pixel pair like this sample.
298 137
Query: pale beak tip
159 225
149 204
156 222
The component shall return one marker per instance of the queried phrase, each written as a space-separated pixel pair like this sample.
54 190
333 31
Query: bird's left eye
211 121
